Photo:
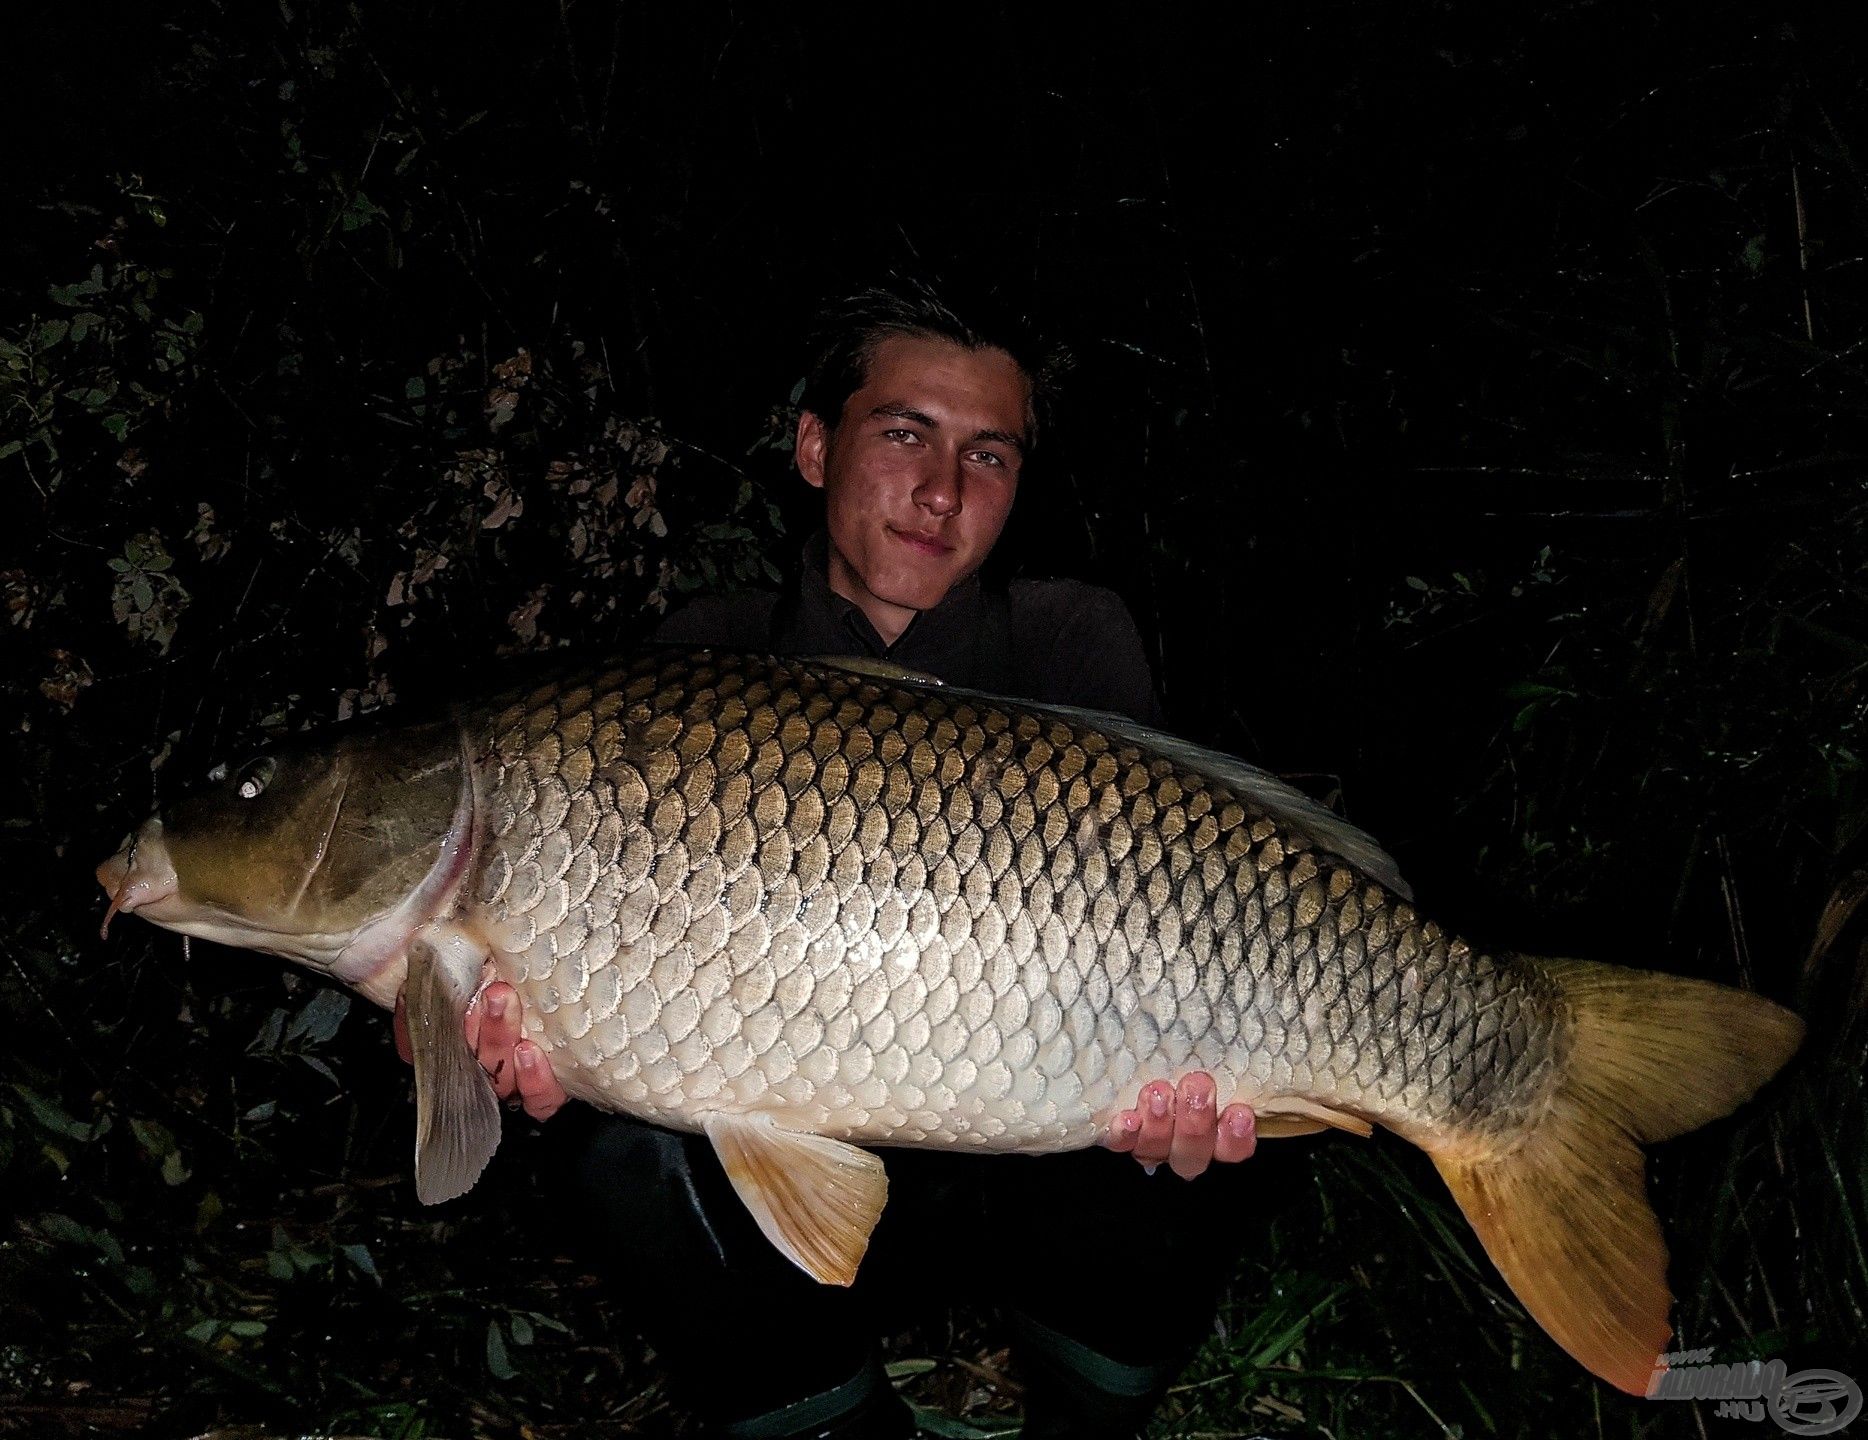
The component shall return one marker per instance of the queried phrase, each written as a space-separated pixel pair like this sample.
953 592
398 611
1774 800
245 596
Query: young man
917 427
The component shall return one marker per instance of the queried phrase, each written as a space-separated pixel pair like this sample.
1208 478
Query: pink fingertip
1128 1120
525 1055
496 1005
1239 1125
1157 1103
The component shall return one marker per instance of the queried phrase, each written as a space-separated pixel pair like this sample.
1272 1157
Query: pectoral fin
816 1199
1286 1115
456 1111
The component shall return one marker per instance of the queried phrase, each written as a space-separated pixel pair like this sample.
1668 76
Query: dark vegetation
1473 411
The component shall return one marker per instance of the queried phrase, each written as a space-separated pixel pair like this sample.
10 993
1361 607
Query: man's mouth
920 543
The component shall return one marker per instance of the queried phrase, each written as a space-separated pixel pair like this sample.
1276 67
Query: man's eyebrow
894 411
1002 437
902 412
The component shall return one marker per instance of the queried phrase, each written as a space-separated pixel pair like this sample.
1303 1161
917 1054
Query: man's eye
901 437
988 457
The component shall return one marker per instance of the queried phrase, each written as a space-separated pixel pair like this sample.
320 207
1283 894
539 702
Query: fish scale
896 916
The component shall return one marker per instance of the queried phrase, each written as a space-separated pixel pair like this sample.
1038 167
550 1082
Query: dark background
1469 403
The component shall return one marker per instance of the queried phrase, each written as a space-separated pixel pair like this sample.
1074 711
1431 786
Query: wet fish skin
908 917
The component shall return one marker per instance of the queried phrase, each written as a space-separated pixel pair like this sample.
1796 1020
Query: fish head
320 854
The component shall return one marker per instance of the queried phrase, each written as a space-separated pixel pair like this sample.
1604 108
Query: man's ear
813 440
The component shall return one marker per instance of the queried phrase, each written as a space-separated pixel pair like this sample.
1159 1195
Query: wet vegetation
1472 409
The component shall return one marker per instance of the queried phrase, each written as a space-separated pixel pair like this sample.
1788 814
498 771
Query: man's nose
940 488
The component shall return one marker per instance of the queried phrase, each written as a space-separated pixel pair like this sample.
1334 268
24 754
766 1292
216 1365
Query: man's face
918 475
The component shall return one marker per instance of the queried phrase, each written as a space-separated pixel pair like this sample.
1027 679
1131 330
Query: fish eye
218 773
254 777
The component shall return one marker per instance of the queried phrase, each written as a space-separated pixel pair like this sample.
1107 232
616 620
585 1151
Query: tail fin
1564 1213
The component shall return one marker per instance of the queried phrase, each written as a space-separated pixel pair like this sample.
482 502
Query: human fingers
492 1031
1123 1132
539 1091
1191 1149
1156 1137
401 1027
1238 1134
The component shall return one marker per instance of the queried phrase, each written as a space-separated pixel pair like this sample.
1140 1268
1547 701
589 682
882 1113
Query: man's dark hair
847 330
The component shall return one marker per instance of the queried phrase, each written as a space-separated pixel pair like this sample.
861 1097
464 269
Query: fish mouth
140 876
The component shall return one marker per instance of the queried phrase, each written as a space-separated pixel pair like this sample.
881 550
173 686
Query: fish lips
140 876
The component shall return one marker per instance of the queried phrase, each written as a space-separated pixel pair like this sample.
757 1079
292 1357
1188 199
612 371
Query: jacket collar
829 624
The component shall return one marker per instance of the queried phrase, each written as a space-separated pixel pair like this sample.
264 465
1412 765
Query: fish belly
893 916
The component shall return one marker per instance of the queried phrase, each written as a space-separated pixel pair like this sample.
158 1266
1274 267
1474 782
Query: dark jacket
1059 642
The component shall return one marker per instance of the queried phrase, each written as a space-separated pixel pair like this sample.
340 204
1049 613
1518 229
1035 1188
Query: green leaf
325 1070
359 1256
52 1117
267 1039
63 1227
496 1357
154 1137
932 1422
318 1021
1534 690
52 332
521 1330
202 1332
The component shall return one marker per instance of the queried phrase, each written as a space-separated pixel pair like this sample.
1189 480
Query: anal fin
457 1119
1284 1127
1287 1115
816 1199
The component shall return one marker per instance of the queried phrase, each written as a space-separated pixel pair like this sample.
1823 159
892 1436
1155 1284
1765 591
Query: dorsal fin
872 668
1278 798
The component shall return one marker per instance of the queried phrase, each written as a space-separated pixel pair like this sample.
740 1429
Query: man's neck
889 620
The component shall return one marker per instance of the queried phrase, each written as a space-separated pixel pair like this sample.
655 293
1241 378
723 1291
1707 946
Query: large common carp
795 906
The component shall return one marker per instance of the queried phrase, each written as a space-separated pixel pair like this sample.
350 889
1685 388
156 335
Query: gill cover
317 841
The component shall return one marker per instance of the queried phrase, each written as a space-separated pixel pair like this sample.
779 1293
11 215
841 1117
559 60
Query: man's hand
1182 1129
516 1066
